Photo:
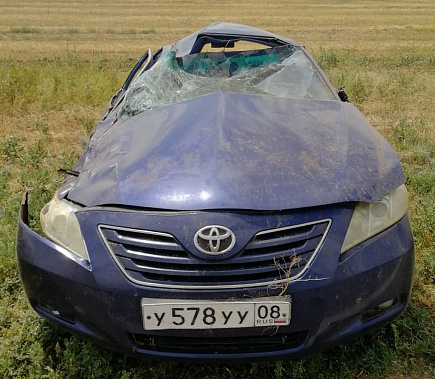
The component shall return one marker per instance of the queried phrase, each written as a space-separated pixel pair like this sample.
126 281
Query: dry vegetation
42 29
60 61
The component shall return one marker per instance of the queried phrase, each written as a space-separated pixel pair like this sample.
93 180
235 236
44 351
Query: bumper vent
270 258
219 345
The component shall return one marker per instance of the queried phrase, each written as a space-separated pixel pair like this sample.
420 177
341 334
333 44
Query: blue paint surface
233 151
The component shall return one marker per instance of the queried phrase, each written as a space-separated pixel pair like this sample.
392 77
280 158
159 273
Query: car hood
235 151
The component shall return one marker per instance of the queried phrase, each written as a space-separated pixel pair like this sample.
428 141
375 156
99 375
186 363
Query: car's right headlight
60 224
370 219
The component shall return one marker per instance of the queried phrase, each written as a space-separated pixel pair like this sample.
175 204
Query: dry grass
131 26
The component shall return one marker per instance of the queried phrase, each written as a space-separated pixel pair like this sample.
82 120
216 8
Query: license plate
159 314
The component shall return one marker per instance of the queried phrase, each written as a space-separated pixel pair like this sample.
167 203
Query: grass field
60 61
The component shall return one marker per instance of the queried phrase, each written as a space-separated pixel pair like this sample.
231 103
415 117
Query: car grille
272 257
219 345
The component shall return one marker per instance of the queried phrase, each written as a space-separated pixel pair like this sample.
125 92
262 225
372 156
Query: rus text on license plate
160 314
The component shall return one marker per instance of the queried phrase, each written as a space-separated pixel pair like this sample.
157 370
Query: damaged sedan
230 205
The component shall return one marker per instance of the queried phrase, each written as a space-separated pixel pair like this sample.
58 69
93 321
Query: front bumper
336 299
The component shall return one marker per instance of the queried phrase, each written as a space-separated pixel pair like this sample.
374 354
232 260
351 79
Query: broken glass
282 72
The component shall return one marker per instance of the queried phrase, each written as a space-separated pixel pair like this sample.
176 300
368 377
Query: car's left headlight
60 224
370 219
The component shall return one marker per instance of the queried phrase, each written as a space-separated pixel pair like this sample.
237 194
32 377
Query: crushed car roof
226 150
187 44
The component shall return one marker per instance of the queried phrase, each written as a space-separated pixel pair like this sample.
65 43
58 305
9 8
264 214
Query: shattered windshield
282 72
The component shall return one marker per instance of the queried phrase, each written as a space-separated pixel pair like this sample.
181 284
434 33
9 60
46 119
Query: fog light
56 313
379 310
387 304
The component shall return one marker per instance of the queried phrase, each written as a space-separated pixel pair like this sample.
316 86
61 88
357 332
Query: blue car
230 205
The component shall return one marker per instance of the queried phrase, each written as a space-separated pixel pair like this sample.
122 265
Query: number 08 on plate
159 314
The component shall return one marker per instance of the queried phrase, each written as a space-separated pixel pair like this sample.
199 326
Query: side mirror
342 95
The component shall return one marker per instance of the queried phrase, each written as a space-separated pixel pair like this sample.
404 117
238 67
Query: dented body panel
242 152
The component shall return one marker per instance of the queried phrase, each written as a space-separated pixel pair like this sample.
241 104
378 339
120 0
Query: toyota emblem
214 240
